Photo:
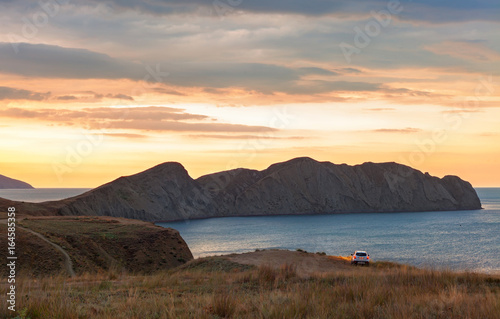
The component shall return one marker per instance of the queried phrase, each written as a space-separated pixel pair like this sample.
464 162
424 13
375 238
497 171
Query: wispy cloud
134 118
50 61
380 109
449 10
407 130
67 98
244 137
476 51
58 62
127 135
7 93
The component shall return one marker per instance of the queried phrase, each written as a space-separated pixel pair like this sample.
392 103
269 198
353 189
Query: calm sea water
458 240
39 195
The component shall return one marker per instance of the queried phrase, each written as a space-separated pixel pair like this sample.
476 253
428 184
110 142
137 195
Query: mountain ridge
302 185
11 183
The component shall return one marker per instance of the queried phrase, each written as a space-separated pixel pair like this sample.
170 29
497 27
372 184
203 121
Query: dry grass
199 291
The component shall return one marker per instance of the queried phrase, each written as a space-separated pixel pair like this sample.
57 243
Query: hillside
10 183
222 287
300 186
95 244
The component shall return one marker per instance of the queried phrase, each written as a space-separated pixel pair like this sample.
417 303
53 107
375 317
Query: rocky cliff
299 186
163 192
10 183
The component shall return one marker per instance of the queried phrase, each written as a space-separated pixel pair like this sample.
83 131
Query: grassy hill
216 287
95 244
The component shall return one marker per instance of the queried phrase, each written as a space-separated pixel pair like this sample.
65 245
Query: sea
38 195
456 240
453 240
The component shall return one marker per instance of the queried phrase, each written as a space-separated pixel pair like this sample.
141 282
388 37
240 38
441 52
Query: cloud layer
7 93
363 79
134 118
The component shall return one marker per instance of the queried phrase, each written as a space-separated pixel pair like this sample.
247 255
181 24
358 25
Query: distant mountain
300 186
10 183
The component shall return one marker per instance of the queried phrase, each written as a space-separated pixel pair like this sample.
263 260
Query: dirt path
306 263
68 264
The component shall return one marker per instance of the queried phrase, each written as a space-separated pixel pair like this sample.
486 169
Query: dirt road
306 263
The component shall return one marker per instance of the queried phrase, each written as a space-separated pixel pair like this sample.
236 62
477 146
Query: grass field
218 288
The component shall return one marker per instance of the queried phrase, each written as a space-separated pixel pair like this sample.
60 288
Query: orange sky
105 90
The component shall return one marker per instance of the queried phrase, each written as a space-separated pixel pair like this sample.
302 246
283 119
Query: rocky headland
10 183
166 192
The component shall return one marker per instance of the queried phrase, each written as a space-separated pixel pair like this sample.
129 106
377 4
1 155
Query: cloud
410 96
489 134
470 105
380 109
120 97
404 130
446 11
67 98
182 126
349 70
93 97
245 137
475 51
57 62
295 53
50 61
127 135
425 10
315 71
7 93
135 118
168 91
408 92
103 113
462 110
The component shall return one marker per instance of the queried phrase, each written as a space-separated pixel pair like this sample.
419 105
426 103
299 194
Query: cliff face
10 183
299 186
163 192
329 188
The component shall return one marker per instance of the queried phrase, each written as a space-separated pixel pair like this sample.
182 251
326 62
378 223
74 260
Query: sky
94 90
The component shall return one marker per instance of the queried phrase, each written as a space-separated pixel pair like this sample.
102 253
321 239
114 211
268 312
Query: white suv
360 257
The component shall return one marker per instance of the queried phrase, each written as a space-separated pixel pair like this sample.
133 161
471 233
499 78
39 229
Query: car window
361 254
